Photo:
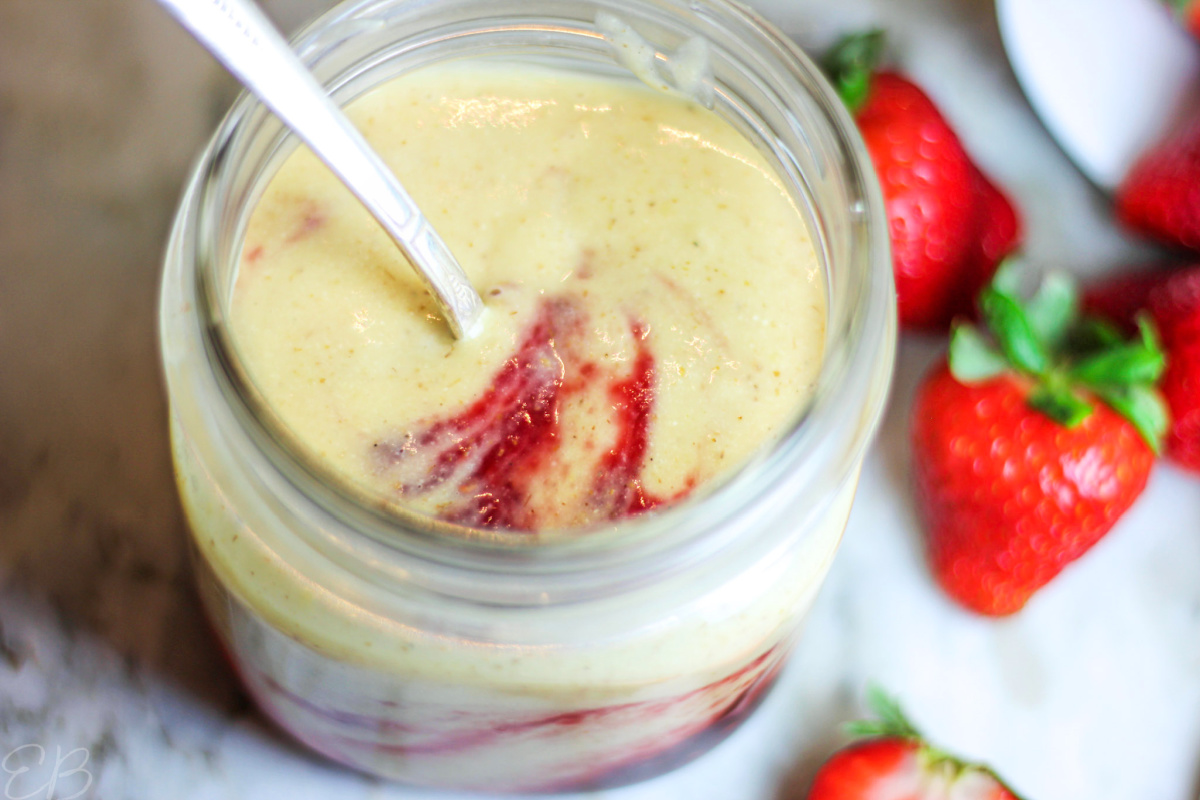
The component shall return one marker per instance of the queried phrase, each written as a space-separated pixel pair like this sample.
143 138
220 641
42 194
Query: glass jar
485 663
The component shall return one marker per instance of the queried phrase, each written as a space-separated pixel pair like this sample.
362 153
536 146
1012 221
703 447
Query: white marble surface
1093 691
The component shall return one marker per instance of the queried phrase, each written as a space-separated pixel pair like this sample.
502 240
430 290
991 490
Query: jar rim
817 455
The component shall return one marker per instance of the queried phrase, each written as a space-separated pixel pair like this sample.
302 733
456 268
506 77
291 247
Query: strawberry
949 225
1160 197
1172 300
1018 469
999 234
895 762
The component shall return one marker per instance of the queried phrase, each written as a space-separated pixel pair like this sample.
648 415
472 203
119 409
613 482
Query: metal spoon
1107 77
245 41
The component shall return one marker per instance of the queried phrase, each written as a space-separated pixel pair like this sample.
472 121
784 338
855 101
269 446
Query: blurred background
104 104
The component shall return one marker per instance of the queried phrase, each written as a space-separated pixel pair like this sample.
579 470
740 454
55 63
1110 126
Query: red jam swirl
501 444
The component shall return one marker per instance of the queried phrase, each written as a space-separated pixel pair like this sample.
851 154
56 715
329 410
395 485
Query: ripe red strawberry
1172 299
1160 197
1018 470
949 225
896 763
998 236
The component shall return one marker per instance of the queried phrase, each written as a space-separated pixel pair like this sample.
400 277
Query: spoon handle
245 41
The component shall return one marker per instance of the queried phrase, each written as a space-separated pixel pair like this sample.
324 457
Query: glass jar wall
484 662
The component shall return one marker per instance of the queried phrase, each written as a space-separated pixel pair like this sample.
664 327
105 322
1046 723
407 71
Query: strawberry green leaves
1057 400
1124 364
890 721
972 357
1053 309
1070 358
1007 320
1143 406
851 63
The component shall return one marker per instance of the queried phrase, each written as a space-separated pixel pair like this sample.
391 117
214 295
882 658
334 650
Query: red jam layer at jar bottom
695 722
505 739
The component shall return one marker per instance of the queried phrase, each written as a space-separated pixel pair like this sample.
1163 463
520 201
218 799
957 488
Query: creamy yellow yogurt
641 262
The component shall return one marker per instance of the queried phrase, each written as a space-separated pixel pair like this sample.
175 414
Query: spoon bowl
244 40
1107 77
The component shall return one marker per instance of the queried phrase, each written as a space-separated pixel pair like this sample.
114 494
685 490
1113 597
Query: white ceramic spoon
1107 77
245 41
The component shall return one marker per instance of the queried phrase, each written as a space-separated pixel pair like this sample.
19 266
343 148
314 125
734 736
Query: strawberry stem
851 64
891 721
1059 402
1067 356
